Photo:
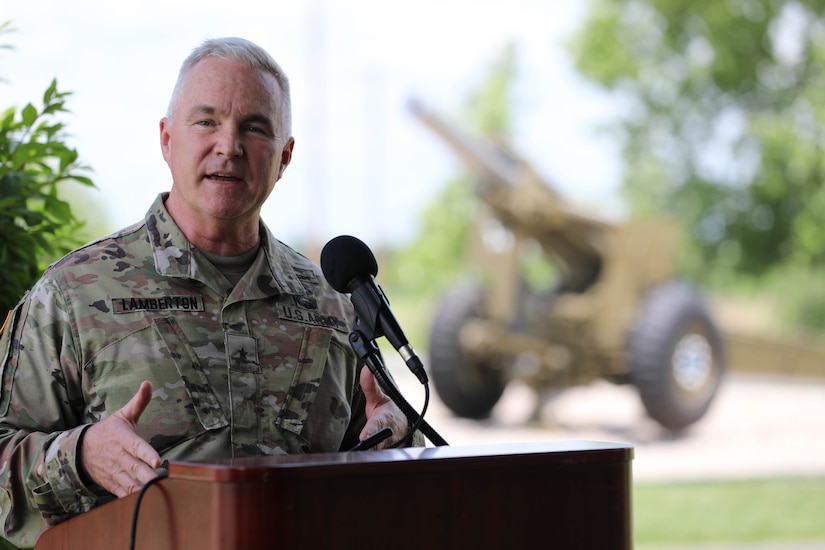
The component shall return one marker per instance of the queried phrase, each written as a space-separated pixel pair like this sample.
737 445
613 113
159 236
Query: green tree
36 225
723 105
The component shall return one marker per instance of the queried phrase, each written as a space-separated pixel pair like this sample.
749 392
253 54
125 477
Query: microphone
350 268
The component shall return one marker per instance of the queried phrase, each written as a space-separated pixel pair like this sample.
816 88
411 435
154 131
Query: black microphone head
345 259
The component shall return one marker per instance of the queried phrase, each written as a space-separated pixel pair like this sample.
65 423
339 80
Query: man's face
224 143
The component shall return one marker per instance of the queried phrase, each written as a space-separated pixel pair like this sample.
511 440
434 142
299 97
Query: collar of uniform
171 249
283 265
174 258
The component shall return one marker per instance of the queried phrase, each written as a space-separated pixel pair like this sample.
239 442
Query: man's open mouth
225 178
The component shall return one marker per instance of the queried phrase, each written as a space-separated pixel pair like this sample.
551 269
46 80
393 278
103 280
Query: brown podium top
415 458
560 494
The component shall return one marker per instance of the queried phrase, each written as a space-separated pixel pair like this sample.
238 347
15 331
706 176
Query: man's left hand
381 412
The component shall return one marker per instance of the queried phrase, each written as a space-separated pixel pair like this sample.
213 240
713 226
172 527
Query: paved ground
752 546
758 426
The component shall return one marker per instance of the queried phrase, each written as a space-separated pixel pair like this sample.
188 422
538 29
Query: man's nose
228 142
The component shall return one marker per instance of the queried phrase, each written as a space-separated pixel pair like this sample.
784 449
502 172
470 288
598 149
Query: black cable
367 351
417 424
162 476
383 379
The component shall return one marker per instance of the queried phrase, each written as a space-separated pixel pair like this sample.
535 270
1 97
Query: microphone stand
367 350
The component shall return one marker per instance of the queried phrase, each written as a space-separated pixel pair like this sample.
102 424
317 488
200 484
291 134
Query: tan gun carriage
617 312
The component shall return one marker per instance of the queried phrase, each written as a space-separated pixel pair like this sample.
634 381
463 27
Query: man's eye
204 123
255 129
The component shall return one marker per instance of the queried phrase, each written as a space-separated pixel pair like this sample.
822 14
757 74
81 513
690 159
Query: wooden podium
554 494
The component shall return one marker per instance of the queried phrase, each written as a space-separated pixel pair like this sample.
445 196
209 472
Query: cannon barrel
526 204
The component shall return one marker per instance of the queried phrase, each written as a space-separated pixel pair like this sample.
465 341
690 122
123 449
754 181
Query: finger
372 391
122 484
375 423
146 454
381 411
130 476
134 476
367 380
132 410
142 471
385 417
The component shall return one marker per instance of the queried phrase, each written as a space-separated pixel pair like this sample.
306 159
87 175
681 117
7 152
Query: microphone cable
139 499
373 361
418 421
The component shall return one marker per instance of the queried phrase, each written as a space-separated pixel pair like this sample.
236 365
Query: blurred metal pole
316 140
375 155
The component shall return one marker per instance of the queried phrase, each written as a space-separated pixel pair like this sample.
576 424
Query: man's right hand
113 455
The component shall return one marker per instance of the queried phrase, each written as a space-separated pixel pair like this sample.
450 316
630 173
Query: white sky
363 165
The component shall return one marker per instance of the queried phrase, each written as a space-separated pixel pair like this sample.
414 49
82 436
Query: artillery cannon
617 310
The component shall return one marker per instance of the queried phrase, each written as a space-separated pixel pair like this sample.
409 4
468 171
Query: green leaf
49 93
58 210
7 121
83 180
11 185
29 114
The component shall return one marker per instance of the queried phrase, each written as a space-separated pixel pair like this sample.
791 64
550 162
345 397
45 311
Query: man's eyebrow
257 117
201 110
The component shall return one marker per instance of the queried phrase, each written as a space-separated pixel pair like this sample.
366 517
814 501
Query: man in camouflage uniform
194 334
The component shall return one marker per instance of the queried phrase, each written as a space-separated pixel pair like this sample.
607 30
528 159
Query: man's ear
164 138
286 156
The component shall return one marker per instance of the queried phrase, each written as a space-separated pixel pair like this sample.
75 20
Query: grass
729 511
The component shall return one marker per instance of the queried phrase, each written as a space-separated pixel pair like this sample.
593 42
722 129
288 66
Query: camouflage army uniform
262 368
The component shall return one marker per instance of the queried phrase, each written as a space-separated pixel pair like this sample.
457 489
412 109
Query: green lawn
729 511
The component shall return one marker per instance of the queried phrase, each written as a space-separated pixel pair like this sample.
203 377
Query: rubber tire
675 314
468 388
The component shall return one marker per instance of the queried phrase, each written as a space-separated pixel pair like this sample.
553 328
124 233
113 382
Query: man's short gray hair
242 51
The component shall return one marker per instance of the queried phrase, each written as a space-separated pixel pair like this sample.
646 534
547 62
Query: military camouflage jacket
258 369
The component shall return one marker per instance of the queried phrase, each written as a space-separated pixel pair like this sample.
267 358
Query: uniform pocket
306 381
202 397
183 403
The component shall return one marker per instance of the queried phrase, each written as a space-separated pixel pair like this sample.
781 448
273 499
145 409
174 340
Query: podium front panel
555 494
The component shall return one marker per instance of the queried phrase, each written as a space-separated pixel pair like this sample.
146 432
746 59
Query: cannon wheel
676 356
468 387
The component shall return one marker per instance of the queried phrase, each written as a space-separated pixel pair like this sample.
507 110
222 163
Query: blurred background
596 220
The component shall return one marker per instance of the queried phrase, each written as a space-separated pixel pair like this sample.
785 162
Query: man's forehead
215 69
216 86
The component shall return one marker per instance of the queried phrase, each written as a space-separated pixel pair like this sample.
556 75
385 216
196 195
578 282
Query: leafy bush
36 225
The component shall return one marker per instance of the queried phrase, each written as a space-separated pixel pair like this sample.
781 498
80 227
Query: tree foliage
36 225
723 105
